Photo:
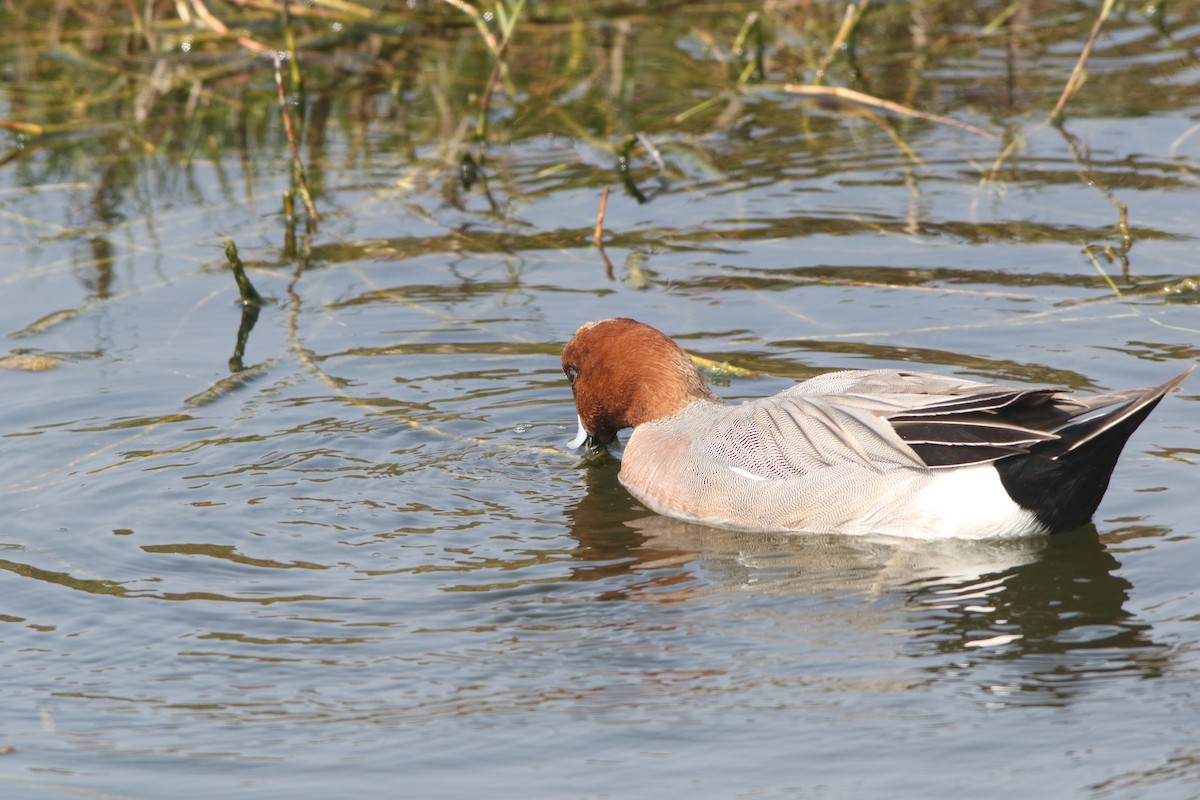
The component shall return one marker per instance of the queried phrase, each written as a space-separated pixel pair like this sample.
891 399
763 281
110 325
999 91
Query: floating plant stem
842 93
49 321
229 383
723 368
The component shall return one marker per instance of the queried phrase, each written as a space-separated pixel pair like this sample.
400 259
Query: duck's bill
581 436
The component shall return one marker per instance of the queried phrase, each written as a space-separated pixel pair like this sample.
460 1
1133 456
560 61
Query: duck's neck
666 392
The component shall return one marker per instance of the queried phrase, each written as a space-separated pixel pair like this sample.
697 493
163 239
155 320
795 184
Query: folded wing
885 419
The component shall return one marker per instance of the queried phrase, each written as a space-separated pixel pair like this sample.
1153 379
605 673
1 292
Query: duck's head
624 373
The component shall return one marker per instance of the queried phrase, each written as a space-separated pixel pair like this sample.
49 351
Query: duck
886 452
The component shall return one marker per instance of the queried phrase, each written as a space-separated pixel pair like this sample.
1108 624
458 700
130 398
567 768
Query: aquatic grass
508 15
1073 84
1179 289
855 11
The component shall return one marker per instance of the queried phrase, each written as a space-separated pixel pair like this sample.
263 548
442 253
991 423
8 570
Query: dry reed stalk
480 24
1079 73
217 26
22 127
842 93
485 99
297 166
597 238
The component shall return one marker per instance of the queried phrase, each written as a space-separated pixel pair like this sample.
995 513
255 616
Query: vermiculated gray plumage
845 448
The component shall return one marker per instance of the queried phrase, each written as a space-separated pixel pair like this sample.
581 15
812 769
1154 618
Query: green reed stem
850 23
508 24
250 295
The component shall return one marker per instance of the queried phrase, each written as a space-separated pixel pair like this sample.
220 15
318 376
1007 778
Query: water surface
358 558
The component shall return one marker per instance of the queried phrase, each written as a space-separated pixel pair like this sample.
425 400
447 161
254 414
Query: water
367 564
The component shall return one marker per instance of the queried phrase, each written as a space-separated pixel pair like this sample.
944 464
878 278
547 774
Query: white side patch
971 503
745 474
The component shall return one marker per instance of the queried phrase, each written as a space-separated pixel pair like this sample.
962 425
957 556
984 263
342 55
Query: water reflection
1055 624
1034 620
604 520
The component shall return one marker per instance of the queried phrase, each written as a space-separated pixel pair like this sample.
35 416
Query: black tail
1063 481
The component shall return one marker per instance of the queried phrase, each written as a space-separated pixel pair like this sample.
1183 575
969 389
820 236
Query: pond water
355 556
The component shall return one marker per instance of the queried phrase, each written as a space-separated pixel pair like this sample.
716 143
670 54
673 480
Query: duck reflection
1035 618
611 544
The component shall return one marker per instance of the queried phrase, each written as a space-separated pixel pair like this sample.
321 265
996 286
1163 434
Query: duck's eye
572 374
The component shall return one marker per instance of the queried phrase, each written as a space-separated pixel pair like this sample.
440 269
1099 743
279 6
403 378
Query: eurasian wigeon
878 451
